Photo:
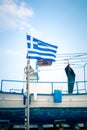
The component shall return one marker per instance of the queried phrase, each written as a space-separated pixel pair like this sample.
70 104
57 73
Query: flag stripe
44 49
40 58
33 51
44 43
42 54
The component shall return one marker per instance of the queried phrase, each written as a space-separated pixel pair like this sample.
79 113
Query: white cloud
14 15
12 52
34 32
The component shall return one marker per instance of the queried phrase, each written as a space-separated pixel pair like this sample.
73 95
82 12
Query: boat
45 108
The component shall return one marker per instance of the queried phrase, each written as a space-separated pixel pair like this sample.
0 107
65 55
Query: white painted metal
16 101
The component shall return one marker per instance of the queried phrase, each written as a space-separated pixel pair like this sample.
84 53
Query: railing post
85 76
1 84
52 87
77 87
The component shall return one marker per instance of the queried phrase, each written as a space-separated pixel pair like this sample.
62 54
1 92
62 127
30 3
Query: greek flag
40 50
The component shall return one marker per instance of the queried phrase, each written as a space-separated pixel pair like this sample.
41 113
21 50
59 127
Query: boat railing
40 87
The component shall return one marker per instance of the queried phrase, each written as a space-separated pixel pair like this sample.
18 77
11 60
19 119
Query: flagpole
28 95
27 106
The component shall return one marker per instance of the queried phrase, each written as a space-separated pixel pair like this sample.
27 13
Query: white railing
42 87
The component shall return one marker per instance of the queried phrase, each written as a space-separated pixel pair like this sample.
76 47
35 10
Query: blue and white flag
40 50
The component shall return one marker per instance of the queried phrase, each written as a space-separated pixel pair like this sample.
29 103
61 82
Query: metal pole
85 76
28 94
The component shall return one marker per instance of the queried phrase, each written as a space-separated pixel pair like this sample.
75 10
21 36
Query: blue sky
60 22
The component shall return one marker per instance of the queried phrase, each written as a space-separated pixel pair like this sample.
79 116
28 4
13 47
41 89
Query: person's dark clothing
71 78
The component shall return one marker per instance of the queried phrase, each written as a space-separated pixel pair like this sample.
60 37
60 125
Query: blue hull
16 116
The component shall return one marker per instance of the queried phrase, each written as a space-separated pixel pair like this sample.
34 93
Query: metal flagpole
28 94
27 106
